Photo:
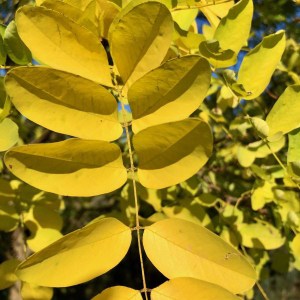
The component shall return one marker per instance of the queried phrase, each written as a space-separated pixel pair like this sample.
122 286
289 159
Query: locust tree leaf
139 39
172 152
3 53
7 273
119 293
61 43
78 256
15 48
190 288
73 167
64 102
285 114
202 255
169 93
8 134
260 236
259 64
35 292
234 29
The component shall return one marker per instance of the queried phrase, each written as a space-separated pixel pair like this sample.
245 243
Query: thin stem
137 221
263 293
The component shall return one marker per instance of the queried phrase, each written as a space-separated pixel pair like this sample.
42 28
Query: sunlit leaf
7 273
169 93
64 102
171 153
8 134
119 293
135 44
295 247
190 288
15 48
62 44
285 114
245 156
261 236
261 195
79 256
73 167
234 29
202 255
34 292
259 64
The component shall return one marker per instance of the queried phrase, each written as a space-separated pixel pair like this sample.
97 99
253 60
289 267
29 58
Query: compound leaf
71 104
63 44
202 255
169 93
78 256
172 152
73 167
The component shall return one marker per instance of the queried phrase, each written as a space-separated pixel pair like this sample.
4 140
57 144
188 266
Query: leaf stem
137 221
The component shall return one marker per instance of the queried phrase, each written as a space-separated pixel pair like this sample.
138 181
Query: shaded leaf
202 255
7 273
3 53
190 288
266 55
169 93
139 49
171 153
65 44
73 167
76 106
8 134
261 236
34 292
15 48
234 29
118 293
79 256
285 114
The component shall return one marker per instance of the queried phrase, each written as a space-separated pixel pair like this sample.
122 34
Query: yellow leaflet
119 293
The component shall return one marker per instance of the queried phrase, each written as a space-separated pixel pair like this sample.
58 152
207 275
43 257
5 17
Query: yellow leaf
284 115
259 64
119 293
8 134
234 29
7 273
79 256
192 289
34 292
245 156
64 102
171 153
260 236
63 44
201 253
169 93
73 167
136 44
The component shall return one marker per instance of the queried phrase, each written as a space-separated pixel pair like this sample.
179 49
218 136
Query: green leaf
260 236
171 153
259 64
76 106
73 167
284 115
79 256
295 247
294 146
7 273
217 56
260 126
34 292
169 93
245 156
201 253
119 293
136 44
8 134
234 29
63 44
262 195
2 51
15 48
190 288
